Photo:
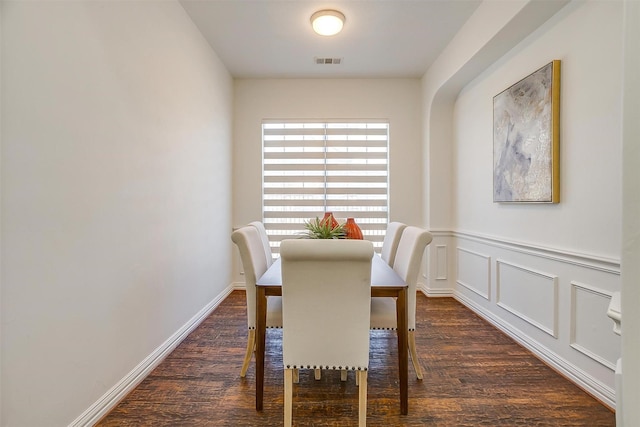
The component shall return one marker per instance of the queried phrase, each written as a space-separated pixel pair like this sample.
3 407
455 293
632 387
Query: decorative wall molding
518 287
594 262
574 373
441 262
474 272
584 316
536 288
112 397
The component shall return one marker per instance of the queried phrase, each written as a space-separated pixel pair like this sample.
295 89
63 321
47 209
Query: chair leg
317 374
296 376
288 397
362 401
414 354
343 375
251 342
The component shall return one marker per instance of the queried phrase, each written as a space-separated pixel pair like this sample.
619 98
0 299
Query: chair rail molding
596 262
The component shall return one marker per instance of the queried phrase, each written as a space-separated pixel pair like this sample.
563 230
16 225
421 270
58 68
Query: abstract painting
526 133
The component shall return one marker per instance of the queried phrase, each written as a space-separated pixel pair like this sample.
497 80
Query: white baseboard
600 391
597 389
603 273
434 293
112 397
241 286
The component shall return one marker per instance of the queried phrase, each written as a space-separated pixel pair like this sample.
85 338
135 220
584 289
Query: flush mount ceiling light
327 22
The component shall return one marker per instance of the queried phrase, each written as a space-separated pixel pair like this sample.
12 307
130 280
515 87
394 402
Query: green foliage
318 229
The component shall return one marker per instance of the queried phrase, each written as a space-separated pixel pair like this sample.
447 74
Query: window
310 168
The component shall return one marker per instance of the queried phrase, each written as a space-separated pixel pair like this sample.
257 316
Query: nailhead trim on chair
346 368
390 329
268 327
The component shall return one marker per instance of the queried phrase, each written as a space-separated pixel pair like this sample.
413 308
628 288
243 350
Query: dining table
385 282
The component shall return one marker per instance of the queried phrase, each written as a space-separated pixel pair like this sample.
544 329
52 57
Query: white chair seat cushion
383 313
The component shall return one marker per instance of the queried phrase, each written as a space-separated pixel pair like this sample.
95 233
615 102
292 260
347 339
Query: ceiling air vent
328 61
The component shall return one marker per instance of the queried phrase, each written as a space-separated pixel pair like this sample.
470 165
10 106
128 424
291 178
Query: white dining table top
381 275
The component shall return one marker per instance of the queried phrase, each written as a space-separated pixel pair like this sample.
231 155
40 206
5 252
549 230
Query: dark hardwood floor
474 375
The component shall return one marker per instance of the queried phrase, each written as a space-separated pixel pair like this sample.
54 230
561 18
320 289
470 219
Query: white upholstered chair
254 263
265 241
391 240
326 296
408 257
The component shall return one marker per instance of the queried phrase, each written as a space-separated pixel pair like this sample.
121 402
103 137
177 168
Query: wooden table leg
403 356
261 326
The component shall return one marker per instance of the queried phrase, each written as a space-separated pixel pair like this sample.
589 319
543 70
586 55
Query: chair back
390 242
407 262
254 264
265 241
326 300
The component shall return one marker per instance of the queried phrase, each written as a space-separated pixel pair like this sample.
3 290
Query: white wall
397 100
631 220
587 39
1 315
488 34
542 273
116 178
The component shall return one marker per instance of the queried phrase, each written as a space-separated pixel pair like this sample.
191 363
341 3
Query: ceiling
381 38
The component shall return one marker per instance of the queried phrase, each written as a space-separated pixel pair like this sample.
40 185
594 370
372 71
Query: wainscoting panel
529 294
553 301
590 329
474 272
441 262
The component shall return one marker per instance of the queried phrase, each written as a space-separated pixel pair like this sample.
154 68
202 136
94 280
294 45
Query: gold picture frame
526 139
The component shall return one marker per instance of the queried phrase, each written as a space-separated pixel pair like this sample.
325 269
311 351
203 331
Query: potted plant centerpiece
329 228
322 229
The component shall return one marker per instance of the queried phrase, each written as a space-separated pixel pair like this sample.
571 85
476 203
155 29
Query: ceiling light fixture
327 22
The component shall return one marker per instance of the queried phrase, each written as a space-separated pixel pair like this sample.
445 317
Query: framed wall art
526 139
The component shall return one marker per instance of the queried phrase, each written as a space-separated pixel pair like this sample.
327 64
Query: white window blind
310 168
